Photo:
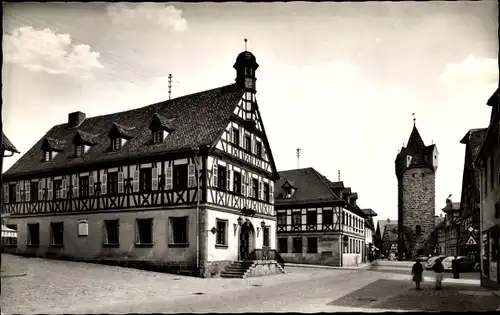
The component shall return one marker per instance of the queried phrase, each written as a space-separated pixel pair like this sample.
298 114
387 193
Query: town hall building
186 183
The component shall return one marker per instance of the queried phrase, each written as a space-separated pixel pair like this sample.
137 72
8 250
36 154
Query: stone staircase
238 269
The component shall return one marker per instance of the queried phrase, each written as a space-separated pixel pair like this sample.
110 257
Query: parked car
431 261
423 258
466 264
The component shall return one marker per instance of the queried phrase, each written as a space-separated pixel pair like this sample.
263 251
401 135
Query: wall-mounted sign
83 228
471 241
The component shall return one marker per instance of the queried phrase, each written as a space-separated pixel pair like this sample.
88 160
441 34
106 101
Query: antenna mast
339 175
298 157
169 85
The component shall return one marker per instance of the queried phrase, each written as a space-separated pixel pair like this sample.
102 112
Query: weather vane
414 119
246 40
298 157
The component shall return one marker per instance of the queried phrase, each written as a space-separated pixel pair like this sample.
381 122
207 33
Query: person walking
438 272
417 271
455 268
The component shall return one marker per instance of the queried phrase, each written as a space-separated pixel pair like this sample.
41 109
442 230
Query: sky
338 80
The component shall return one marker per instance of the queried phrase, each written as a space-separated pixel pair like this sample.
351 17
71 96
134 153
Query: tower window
418 229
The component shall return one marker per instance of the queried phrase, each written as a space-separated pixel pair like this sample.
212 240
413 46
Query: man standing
455 268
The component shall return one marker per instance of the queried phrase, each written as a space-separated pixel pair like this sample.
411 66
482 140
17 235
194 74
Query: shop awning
6 232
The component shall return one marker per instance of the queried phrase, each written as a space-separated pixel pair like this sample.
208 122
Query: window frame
222 177
57 186
172 238
138 234
180 177
112 189
83 186
106 242
157 136
309 242
146 180
53 237
225 240
116 144
236 137
281 241
34 190
29 239
267 192
266 236
11 242
12 193
299 239
237 183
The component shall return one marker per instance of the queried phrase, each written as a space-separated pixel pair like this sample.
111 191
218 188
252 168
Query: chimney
75 119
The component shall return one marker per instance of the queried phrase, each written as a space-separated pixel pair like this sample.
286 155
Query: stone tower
416 166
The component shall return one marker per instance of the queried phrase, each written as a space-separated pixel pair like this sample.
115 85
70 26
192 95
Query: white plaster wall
351 260
369 236
231 252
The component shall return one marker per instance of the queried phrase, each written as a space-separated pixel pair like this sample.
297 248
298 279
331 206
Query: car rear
447 263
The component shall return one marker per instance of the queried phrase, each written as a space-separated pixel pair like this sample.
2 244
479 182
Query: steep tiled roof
383 223
474 138
198 119
369 212
390 233
415 142
310 187
7 145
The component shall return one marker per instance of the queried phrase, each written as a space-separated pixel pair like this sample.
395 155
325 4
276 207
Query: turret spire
414 120
246 40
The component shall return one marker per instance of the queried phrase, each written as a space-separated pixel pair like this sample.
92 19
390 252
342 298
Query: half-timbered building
315 225
9 232
186 183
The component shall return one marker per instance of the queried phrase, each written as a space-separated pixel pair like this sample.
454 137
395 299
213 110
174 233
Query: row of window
111 232
116 144
488 175
354 246
327 218
232 181
236 139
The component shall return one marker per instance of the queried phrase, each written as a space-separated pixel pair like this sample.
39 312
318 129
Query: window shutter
154 178
18 192
6 193
104 183
120 182
242 137
215 169
91 184
41 188
75 186
228 178
230 133
135 181
49 191
169 178
261 191
63 188
27 190
271 192
243 183
191 175
249 185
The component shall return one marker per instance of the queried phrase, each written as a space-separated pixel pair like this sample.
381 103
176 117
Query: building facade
487 163
369 233
315 225
9 232
470 198
416 166
185 183
451 227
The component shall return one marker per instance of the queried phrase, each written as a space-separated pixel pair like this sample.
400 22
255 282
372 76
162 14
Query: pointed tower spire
415 141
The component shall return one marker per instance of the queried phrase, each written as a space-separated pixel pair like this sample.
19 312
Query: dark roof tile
200 119
7 145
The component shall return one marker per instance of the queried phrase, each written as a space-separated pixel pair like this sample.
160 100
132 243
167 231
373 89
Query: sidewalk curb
363 266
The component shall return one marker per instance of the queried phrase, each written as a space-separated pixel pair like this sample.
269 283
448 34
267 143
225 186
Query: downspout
197 167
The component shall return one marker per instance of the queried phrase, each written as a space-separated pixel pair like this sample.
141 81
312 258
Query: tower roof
415 142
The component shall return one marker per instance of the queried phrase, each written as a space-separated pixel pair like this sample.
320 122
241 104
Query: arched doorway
246 240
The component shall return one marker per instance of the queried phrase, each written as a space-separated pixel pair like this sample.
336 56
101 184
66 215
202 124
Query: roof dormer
160 128
83 141
119 135
288 189
51 147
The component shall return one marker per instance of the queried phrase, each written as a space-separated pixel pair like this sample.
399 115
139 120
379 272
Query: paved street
51 286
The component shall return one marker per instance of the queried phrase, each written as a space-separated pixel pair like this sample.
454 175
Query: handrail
266 254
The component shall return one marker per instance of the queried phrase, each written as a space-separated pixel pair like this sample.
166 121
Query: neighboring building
379 232
389 247
451 227
470 198
488 165
315 225
9 231
440 242
416 166
438 219
185 183
369 232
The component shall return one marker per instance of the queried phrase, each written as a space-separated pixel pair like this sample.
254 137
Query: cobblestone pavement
402 295
52 286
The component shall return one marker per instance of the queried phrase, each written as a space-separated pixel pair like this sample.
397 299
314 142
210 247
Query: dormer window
116 144
160 128
82 142
79 150
288 192
47 156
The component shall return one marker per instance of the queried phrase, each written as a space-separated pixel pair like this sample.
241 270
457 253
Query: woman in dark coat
417 271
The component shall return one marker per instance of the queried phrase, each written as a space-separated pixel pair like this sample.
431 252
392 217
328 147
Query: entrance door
244 241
